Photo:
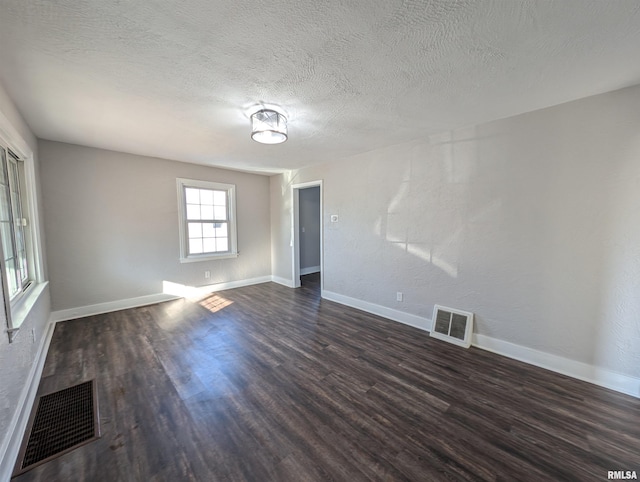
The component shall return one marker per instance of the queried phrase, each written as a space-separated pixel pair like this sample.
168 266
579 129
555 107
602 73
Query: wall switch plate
334 218
399 296
207 274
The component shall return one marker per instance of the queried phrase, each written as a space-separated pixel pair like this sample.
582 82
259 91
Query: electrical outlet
399 296
334 218
207 274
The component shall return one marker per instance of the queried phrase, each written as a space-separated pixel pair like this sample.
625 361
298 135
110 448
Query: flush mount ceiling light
268 127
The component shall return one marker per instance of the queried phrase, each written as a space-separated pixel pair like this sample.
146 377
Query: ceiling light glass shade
268 127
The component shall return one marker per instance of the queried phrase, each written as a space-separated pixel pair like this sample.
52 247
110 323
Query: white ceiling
176 79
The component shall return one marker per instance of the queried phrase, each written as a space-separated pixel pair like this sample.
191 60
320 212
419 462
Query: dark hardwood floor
268 383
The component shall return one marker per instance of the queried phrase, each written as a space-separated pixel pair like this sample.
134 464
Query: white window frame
12 163
230 189
18 308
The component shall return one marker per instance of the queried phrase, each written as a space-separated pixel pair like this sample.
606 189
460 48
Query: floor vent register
63 421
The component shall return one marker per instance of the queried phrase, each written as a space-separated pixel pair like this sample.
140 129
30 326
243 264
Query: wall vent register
453 326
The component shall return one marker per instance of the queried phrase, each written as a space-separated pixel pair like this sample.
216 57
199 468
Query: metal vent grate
63 421
451 325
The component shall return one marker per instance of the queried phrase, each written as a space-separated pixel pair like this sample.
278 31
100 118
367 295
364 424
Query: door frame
295 231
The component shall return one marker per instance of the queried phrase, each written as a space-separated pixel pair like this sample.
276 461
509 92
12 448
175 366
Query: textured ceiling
176 79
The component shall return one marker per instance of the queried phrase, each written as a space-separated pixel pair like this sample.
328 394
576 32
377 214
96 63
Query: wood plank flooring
266 383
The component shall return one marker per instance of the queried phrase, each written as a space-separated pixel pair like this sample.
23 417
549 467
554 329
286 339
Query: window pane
208 230
222 244
16 207
7 245
195 246
195 230
220 212
206 197
192 195
23 266
19 233
22 253
220 198
4 204
209 245
221 230
13 174
3 158
193 211
207 212
12 276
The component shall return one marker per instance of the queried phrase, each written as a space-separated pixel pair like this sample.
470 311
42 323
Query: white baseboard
18 424
390 313
97 309
309 270
172 291
184 291
575 369
565 366
236 284
282 281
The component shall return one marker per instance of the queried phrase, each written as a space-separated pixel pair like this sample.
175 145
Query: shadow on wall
443 188
431 215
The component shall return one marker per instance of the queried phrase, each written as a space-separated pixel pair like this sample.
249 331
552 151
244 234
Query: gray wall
309 214
17 358
281 239
112 225
530 222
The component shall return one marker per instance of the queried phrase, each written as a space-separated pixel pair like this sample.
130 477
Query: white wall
309 235
531 222
112 225
18 359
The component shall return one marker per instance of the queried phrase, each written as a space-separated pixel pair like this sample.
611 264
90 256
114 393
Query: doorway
307 233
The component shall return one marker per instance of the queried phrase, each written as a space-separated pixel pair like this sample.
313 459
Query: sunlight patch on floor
215 303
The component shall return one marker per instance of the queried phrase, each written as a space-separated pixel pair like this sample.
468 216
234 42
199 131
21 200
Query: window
13 225
21 267
206 211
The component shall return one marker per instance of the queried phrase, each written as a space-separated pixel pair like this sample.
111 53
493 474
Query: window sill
21 310
208 257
